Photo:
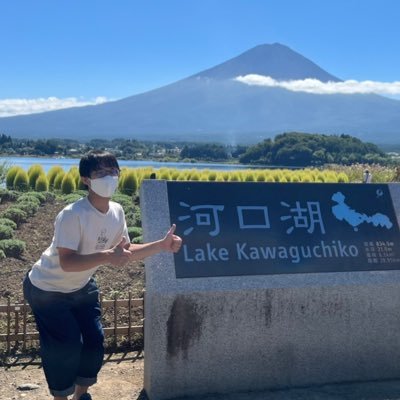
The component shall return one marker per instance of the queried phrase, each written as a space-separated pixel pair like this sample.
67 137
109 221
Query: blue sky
77 51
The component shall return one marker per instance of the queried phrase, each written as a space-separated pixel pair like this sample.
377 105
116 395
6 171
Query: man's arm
119 255
171 243
71 261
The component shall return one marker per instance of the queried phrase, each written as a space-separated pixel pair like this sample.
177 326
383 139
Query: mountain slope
211 105
275 60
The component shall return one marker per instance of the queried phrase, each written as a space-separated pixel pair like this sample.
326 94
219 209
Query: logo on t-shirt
102 240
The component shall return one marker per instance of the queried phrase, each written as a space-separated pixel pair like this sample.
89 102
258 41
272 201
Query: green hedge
21 181
27 197
123 199
40 196
134 232
129 183
138 240
67 184
29 207
53 172
71 198
133 217
12 247
34 172
15 214
11 174
6 232
42 184
8 222
8 195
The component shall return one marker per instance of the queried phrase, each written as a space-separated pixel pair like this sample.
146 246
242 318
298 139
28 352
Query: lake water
67 163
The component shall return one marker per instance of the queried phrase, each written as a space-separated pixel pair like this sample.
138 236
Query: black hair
95 160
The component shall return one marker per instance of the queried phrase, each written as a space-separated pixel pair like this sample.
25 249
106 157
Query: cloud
11 107
317 87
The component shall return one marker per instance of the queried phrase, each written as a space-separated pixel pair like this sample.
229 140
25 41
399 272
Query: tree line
287 149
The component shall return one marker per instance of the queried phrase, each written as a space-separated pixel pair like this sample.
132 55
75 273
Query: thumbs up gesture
171 242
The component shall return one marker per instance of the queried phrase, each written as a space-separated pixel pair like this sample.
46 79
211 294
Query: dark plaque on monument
233 229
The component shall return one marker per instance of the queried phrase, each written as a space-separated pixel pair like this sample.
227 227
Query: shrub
21 181
330 176
164 174
133 217
145 173
27 197
80 185
212 176
74 171
307 177
2 255
225 176
249 177
194 176
58 180
50 196
72 198
296 177
33 174
174 174
123 199
320 177
6 232
68 184
15 214
182 176
342 178
42 183
121 179
8 222
8 195
29 207
276 175
129 184
52 174
234 177
40 196
134 232
260 177
82 193
12 172
12 247
138 240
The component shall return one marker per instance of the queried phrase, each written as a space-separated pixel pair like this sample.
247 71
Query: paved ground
122 379
389 390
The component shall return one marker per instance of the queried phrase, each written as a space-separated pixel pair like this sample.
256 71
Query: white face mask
104 187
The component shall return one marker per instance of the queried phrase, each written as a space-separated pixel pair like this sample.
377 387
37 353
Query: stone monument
276 285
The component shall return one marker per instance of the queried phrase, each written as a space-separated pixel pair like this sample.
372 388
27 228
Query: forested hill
302 149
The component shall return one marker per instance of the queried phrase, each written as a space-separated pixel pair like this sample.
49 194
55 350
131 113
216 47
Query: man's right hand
119 255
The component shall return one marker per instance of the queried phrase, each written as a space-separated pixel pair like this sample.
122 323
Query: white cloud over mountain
10 107
315 86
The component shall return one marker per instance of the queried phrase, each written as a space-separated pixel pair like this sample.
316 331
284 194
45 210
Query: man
367 178
60 289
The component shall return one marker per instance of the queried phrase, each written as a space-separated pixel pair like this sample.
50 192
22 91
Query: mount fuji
213 105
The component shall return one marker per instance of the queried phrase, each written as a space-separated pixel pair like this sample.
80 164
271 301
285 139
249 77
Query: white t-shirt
83 228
